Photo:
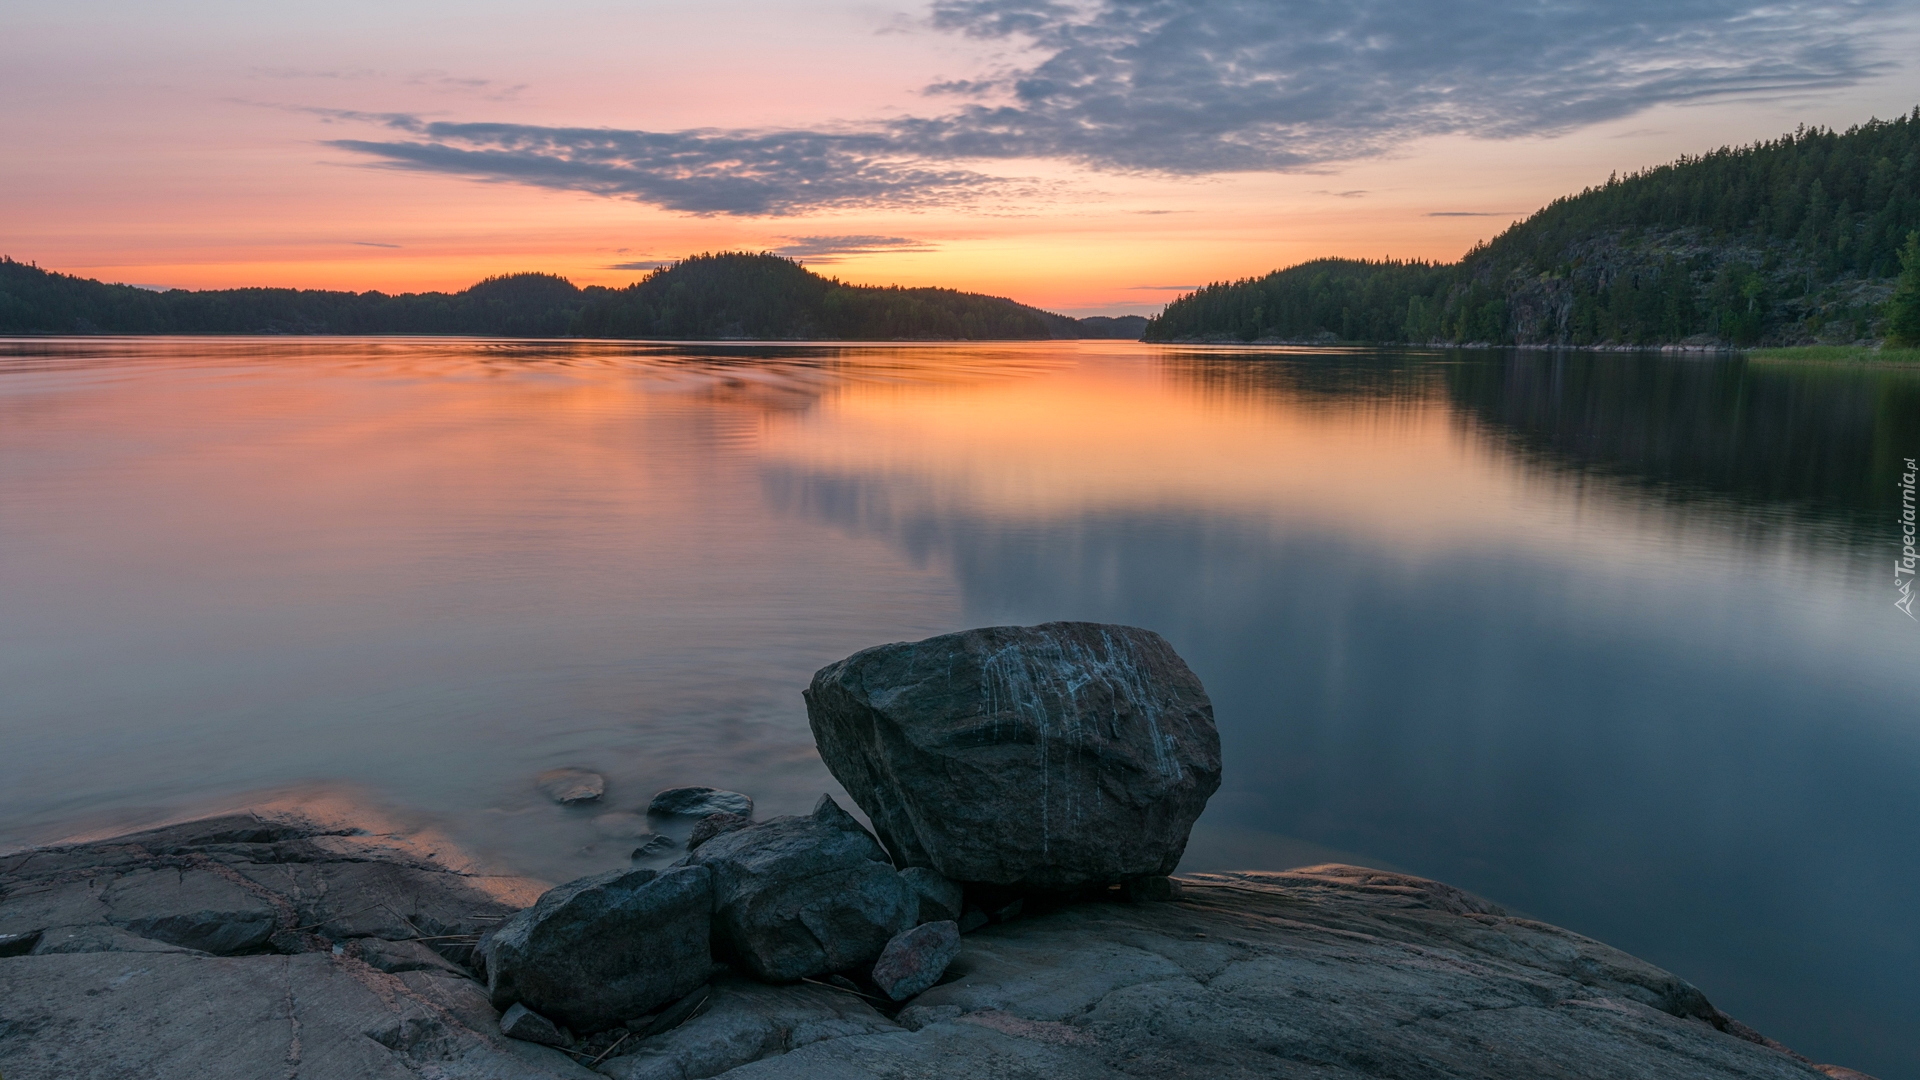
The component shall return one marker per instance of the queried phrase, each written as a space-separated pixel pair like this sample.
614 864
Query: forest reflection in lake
1607 638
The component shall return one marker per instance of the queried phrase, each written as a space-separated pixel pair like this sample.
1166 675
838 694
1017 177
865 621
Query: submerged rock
699 802
1049 756
915 960
569 786
595 951
800 896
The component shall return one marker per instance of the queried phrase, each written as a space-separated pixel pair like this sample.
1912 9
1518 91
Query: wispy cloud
1473 213
702 171
826 249
370 243
1162 288
1194 87
642 264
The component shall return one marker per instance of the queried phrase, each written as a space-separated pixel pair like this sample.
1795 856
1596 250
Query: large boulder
1049 757
594 952
800 896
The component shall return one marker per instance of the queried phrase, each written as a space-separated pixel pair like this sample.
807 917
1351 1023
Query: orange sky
181 146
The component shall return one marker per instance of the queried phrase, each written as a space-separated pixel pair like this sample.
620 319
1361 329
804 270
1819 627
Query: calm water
1608 639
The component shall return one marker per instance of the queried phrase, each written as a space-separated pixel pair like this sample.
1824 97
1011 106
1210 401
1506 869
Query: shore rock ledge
1327 972
1041 757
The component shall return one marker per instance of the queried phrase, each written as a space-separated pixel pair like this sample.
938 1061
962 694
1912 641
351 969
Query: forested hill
766 297
1797 240
731 295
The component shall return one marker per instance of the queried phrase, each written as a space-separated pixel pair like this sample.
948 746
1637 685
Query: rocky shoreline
1031 789
269 944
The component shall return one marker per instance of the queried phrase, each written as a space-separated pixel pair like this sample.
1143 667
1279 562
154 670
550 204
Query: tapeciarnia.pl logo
1905 563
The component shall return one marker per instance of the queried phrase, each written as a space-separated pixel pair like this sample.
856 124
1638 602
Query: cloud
703 171
1203 86
1195 87
370 243
1473 213
643 264
1162 288
829 248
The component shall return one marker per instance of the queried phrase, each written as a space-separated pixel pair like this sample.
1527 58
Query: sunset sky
1089 156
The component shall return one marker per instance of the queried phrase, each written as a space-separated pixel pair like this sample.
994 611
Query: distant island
727 296
1797 241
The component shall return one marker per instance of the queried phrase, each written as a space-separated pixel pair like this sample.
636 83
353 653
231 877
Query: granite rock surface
1327 972
1052 756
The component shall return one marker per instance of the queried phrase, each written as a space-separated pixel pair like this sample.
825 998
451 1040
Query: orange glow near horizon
194 151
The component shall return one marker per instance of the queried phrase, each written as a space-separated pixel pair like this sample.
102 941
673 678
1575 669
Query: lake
1607 638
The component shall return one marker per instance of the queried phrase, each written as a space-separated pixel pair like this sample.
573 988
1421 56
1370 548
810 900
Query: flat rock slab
1326 973
121 977
744 1022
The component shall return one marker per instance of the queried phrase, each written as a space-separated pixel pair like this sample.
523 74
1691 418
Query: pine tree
1903 310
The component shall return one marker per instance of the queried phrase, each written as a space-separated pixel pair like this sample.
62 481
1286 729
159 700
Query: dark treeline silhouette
729 295
766 297
1796 240
517 305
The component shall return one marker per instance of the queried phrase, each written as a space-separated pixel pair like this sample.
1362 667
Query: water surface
1609 639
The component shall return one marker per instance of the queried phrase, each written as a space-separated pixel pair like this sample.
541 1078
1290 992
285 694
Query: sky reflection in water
1607 639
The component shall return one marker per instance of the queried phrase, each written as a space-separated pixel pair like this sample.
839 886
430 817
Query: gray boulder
800 896
1049 756
940 900
915 960
699 802
595 951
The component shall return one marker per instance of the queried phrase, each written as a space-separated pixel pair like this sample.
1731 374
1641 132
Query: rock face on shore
1325 972
1052 756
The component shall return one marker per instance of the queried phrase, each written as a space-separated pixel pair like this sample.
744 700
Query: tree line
714 296
1803 238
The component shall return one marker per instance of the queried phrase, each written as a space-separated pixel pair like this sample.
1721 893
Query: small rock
940 900
800 896
973 920
520 1022
915 960
1048 757
713 825
915 1017
595 951
653 846
700 802
569 786
1010 912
